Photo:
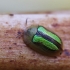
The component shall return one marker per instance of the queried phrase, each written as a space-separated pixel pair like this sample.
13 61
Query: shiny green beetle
43 41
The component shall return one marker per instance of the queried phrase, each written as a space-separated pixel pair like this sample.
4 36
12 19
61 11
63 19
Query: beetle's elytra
43 41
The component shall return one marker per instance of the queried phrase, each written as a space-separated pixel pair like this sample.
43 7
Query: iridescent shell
43 41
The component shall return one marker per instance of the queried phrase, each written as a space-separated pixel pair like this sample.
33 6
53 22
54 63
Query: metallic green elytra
43 41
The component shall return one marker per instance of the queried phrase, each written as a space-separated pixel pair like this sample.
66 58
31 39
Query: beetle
43 41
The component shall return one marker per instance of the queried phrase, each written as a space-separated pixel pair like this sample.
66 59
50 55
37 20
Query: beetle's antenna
26 24
26 21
